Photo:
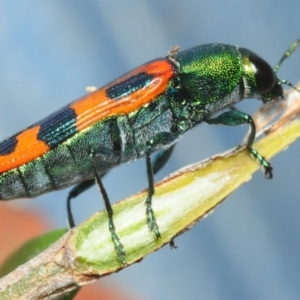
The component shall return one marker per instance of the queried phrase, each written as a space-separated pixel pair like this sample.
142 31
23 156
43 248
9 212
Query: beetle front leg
236 118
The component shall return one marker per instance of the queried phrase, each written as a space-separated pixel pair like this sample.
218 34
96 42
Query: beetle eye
264 74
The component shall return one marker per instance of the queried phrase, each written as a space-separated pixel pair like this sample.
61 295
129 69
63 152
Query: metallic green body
207 80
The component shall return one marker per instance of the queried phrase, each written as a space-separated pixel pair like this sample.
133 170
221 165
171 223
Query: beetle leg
75 191
112 157
83 186
118 245
236 118
149 211
159 162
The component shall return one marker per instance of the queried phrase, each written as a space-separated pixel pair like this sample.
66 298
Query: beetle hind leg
75 191
116 240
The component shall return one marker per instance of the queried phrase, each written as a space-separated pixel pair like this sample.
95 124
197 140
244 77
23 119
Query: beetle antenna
283 81
287 53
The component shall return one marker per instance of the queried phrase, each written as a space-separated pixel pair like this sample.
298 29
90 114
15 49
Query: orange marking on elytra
27 149
97 105
92 108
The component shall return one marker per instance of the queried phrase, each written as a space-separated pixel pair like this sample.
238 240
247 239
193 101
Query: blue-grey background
249 248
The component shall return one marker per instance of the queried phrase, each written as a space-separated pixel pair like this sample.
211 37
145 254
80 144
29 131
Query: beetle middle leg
159 162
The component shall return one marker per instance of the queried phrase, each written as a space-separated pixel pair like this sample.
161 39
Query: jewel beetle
145 110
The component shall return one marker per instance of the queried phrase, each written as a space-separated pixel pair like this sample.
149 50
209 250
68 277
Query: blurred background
249 248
